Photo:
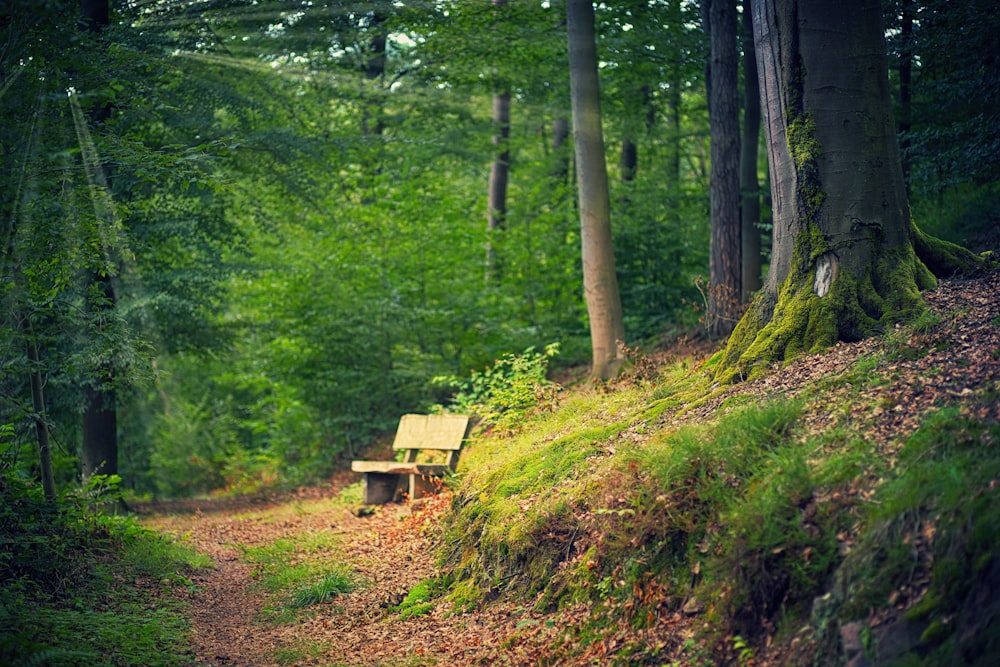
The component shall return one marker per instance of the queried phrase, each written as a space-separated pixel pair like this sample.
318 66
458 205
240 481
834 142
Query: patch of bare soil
955 362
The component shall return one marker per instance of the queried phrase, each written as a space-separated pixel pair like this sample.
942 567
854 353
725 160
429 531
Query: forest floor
392 549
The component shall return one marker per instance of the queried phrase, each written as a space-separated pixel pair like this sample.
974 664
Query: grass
71 573
942 490
300 573
756 511
302 651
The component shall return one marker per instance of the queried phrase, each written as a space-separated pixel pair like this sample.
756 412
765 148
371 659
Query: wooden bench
416 435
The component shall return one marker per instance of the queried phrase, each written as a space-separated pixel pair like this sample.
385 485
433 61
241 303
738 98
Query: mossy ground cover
667 519
747 516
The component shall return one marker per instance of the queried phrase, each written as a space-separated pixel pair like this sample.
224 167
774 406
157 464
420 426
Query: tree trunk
496 214
725 266
749 184
41 424
600 283
629 163
844 264
99 449
496 205
372 102
905 86
100 433
560 133
674 150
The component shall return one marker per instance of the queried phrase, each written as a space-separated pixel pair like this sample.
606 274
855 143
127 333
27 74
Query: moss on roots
800 321
944 259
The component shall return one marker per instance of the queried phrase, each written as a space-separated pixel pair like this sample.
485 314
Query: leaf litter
955 361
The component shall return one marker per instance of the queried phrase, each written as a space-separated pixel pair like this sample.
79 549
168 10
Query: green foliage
325 589
419 600
503 393
68 571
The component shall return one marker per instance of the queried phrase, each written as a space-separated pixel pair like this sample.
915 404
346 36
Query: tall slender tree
99 449
600 283
725 268
847 260
749 182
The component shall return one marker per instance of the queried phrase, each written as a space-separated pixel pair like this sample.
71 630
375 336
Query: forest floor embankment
877 390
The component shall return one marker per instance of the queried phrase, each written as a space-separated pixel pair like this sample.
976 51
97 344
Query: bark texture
496 213
725 266
749 183
844 264
99 448
496 206
600 283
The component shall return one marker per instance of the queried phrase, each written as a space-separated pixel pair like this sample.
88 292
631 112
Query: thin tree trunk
560 133
725 266
99 450
496 201
905 87
41 424
749 184
372 114
600 282
496 214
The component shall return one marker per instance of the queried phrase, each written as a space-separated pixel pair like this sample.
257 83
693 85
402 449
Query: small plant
503 393
298 574
330 586
744 652
419 600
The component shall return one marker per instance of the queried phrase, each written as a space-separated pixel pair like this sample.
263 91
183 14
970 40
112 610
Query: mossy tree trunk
845 261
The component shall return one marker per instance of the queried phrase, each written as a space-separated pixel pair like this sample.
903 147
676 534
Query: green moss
944 259
805 149
802 322
802 142
936 632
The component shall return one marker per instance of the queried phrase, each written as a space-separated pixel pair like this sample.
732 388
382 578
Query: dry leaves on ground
391 549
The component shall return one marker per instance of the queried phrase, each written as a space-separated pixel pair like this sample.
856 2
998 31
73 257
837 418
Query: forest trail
391 549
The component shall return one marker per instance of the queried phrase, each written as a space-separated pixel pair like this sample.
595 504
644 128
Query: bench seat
400 467
417 436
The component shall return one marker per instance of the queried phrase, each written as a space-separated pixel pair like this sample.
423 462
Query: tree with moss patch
847 261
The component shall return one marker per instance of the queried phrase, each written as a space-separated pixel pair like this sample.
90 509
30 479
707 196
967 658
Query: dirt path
388 549
391 549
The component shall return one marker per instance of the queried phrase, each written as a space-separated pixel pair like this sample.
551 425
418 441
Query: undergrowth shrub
503 393
69 572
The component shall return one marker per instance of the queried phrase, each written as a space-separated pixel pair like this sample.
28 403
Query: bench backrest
432 432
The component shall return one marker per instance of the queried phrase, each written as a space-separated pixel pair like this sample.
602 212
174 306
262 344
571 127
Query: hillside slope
840 510
843 507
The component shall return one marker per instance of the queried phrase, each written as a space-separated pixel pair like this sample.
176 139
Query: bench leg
380 487
423 485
